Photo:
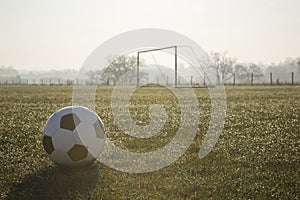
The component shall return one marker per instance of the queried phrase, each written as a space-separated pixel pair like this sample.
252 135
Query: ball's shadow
57 183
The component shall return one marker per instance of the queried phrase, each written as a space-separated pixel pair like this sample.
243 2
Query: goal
199 69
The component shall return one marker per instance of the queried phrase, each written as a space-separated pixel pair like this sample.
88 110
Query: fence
45 81
193 81
252 81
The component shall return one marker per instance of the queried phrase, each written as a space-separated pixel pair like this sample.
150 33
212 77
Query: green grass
256 157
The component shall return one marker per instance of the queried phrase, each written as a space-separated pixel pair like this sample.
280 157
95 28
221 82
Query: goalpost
157 49
201 64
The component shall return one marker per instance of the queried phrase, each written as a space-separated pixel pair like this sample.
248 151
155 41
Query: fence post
271 79
251 78
191 80
292 78
234 79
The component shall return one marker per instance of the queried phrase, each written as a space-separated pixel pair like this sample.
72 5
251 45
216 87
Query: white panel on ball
86 133
52 124
85 115
61 158
63 140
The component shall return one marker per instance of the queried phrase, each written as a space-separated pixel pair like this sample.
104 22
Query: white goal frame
150 50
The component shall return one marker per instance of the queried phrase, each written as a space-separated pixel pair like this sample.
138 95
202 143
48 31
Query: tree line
228 69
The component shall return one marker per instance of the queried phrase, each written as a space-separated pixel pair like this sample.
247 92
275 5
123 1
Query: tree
223 66
240 70
118 66
244 71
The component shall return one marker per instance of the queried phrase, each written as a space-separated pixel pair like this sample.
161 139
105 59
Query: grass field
256 157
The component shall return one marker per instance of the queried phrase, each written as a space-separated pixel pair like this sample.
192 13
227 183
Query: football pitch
256 157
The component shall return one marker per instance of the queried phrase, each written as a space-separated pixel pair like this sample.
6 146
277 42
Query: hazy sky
37 34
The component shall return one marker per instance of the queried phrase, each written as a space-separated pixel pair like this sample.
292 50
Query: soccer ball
73 136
